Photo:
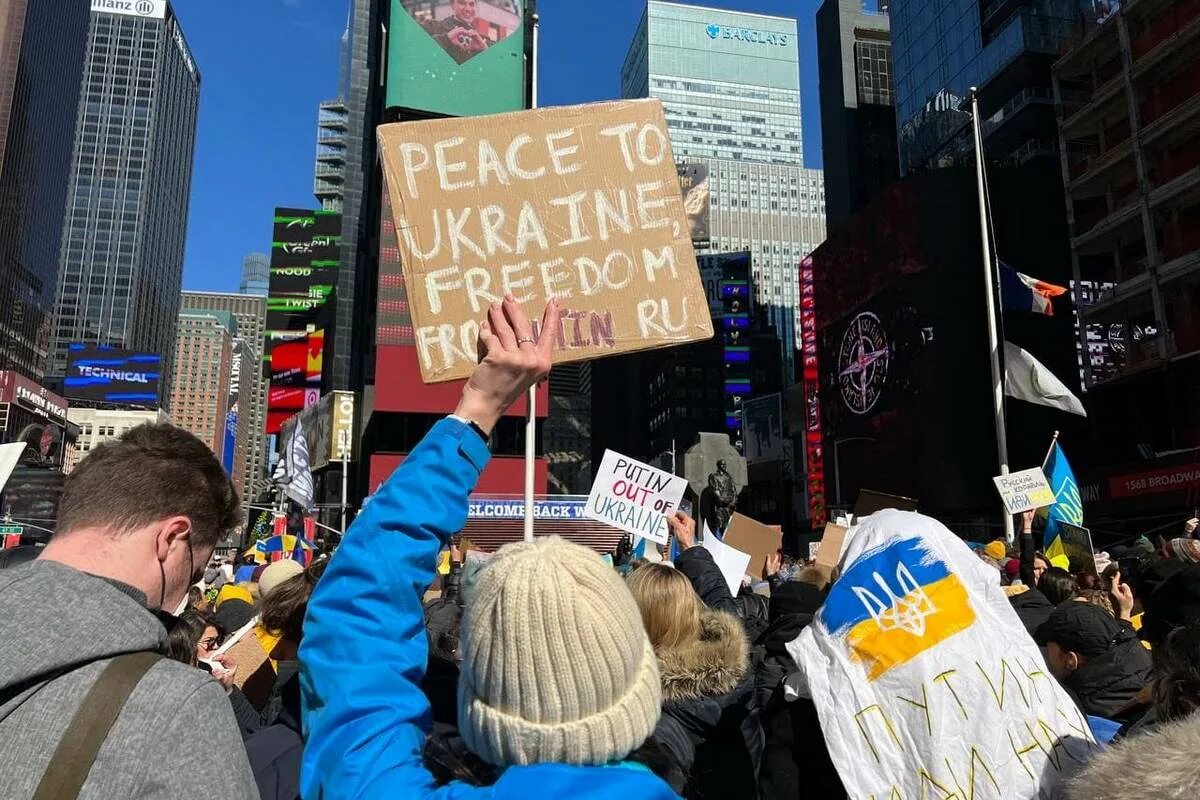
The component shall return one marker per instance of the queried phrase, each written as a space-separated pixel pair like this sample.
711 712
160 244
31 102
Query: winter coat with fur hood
1161 764
710 724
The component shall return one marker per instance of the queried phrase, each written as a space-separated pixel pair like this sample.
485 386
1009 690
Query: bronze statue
723 497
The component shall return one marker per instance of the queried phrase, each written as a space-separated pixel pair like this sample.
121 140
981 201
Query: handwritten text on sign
635 497
580 204
1025 490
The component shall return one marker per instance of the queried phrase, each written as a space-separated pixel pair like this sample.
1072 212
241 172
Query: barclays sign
746 35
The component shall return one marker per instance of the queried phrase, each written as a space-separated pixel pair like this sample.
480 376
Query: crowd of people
133 664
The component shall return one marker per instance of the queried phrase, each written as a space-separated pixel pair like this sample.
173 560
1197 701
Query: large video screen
457 57
105 374
305 254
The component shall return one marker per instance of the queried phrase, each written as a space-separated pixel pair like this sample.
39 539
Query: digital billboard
457 57
305 252
106 374
697 200
726 280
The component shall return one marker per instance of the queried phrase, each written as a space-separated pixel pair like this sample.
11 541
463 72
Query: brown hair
1097 597
284 606
151 473
670 608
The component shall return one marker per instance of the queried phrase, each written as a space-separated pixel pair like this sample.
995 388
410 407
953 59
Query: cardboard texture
751 536
831 548
579 203
869 501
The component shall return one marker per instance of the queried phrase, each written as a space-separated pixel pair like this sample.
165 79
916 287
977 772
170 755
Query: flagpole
989 285
1050 452
531 397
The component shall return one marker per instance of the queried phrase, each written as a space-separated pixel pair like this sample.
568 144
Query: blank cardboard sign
751 536
579 203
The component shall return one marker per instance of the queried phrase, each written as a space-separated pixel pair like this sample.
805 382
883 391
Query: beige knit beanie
556 664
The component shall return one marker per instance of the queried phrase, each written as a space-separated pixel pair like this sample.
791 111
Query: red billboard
1168 479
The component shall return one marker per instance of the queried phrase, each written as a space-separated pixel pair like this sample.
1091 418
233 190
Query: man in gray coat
138 521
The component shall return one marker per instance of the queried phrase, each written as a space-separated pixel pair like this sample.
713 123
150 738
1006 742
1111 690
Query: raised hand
511 359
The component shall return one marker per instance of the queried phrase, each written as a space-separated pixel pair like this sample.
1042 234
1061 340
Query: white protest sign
731 561
635 497
925 680
1024 490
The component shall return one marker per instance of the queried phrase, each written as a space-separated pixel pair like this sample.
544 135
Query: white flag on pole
1026 378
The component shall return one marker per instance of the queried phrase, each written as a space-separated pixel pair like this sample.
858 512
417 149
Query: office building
256 275
1129 114
42 47
567 432
941 48
123 236
730 86
250 387
100 425
330 170
858 116
203 369
361 91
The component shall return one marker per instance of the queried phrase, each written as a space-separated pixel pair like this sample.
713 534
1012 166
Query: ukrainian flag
895 604
1068 504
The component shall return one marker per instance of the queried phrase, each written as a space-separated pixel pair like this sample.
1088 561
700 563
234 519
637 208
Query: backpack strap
77 750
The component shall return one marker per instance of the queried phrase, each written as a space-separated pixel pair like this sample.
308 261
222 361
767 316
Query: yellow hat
997 549
232 592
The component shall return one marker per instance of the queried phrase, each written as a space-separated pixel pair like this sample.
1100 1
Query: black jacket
1032 607
697 564
796 762
275 752
1106 684
710 724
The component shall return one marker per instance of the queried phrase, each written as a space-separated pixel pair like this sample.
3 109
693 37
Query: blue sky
266 64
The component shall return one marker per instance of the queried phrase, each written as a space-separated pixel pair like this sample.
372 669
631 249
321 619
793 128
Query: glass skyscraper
941 48
256 274
123 238
42 46
730 86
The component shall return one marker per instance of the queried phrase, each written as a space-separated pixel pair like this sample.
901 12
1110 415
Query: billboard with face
457 57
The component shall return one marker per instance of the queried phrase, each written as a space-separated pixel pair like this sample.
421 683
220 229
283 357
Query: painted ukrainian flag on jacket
895 604
1068 504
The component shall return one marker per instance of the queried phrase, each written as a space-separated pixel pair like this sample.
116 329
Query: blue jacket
365 648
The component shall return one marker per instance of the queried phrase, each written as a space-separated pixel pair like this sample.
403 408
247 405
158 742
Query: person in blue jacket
559 682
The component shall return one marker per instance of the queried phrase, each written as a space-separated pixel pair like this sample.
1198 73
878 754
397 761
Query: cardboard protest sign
1077 545
925 680
751 536
579 203
829 552
869 501
1024 490
635 497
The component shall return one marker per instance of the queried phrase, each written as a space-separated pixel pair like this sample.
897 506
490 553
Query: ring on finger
525 339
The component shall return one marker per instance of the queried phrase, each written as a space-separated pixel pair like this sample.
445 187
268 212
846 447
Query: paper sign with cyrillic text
635 497
926 681
1024 490
580 204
